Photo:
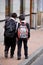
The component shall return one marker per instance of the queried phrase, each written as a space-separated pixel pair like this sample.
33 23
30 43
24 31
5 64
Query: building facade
20 6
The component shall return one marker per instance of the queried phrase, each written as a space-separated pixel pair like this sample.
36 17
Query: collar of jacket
23 21
12 18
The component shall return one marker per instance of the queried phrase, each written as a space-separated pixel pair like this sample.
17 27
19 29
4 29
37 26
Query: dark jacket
12 20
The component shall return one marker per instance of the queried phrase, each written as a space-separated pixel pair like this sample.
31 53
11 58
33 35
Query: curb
32 57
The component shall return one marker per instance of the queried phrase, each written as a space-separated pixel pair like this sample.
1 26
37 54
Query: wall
2 16
34 16
15 5
27 10
2 9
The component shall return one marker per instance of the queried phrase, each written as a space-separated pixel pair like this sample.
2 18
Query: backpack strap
16 25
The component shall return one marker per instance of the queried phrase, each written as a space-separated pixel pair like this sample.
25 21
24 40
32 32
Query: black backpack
10 28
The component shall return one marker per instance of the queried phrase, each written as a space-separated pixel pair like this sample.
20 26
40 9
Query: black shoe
6 55
26 57
19 58
11 56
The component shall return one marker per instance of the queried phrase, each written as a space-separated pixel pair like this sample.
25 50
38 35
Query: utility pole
30 13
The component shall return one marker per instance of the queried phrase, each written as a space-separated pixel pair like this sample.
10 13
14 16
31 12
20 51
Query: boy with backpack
23 35
10 35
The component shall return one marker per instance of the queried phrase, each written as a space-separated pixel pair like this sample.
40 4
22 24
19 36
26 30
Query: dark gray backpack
10 28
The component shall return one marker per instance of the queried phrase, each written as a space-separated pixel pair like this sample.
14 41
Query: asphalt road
38 61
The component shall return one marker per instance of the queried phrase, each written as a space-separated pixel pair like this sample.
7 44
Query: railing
17 17
27 16
2 20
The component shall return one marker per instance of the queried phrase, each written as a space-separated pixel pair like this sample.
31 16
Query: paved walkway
35 42
38 61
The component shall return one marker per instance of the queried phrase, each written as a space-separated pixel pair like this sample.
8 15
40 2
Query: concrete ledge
32 57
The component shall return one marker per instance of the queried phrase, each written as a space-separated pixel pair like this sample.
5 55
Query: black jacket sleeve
28 29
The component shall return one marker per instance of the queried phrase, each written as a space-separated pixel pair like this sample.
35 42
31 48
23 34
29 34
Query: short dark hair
14 15
22 17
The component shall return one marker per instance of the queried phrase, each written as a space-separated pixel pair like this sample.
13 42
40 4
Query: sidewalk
35 42
38 61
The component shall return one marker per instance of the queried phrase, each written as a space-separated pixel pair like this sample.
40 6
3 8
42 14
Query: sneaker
18 58
26 57
6 55
11 56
